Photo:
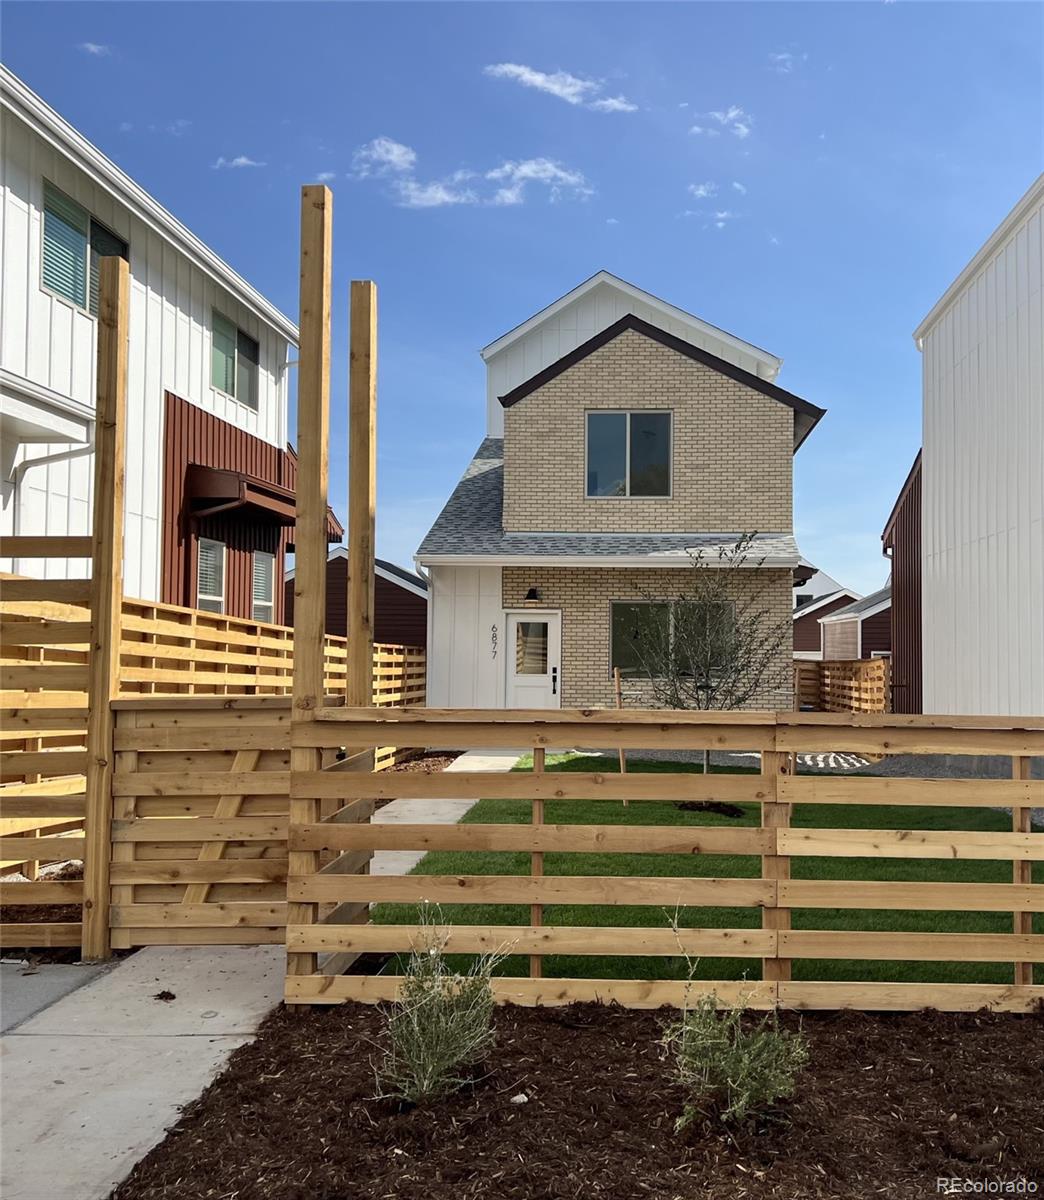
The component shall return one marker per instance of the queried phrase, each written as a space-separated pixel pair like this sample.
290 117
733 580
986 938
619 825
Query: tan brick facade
584 594
732 448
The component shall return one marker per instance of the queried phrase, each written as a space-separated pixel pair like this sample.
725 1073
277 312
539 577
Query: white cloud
241 160
611 221
773 240
722 218
437 194
739 187
733 119
573 89
785 62
382 156
702 190
126 126
325 176
96 49
178 127
514 176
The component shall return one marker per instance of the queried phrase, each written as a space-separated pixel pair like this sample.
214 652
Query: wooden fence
815 890
857 686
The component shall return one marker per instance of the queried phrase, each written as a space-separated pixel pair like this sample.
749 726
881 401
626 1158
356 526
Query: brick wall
732 448
584 595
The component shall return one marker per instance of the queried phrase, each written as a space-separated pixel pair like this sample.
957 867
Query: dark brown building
901 542
400 601
228 515
862 629
807 630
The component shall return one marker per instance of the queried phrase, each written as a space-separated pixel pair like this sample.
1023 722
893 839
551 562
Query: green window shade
65 233
246 369
223 355
263 598
103 245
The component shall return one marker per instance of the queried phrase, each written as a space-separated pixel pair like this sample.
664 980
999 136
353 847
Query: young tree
715 644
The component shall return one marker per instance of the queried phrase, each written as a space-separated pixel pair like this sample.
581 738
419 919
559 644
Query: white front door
534 660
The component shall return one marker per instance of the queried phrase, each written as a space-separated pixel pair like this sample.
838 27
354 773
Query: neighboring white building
198 332
983 478
818 585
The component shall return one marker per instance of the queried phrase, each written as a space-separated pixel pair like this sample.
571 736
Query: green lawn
721 865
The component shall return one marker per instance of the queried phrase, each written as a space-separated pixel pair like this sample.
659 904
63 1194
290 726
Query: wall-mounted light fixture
532 596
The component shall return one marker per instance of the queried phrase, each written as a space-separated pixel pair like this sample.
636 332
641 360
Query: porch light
532 596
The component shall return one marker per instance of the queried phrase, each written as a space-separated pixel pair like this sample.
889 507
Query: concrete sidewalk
433 812
92 1082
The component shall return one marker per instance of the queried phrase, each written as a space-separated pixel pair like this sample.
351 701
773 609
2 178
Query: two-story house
623 434
210 478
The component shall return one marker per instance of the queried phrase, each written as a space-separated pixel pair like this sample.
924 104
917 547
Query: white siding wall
464 604
983 518
571 327
50 342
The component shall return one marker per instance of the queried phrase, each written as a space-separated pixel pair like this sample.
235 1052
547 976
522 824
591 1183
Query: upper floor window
263 584
210 575
234 360
74 244
629 453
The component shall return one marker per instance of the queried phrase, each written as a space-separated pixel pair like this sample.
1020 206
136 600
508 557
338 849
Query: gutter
788 561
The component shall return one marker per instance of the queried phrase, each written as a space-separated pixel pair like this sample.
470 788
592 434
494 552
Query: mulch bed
887 1104
41 914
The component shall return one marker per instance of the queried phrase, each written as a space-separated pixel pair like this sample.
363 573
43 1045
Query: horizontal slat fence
773 846
858 686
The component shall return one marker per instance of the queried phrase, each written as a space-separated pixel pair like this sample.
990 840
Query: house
400 601
808 632
210 478
862 629
966 537
623 435
810 583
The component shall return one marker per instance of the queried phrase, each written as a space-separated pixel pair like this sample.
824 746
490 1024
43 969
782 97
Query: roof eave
656 561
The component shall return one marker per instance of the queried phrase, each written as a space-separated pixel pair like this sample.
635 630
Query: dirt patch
886 1106
428 764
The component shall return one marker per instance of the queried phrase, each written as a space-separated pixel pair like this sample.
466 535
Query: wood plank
69 785
41 849
43 762
926 897
248 737
59 591
176 935
35 705
45 633
51 546
62 891
208 783
51 933
201 829
592 717
911 843
362 490
536 865
223 915
228 806
52 677
523 889
912 947
42 806
628 839
775 866
909 997
226 870
1022 871
856 740
631 993
951 793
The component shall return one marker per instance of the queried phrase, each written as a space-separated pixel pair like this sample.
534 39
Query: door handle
554 681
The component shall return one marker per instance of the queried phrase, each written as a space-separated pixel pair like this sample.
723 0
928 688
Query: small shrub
441 1023
730 1070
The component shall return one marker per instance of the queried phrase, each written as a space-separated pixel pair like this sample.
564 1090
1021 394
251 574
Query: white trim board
829 598
880 606
586 560
390 576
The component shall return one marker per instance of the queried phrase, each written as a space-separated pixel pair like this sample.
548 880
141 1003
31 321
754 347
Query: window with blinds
73 246
210 575
235 361
264 586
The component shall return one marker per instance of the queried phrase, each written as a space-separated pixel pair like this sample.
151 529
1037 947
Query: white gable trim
768 365
880 606
831 598
378 570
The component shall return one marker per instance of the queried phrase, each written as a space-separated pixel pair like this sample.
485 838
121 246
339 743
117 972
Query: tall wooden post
313 429
1023 868
362 491
775 867
106 596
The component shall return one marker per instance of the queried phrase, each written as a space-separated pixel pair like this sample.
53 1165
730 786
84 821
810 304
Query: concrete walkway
433 812
91 1083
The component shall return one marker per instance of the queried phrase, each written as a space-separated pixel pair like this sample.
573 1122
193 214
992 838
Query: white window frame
84 308
628 413
270 605
224 576
216 312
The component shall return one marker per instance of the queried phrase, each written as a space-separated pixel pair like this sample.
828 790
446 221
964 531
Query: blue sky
808 176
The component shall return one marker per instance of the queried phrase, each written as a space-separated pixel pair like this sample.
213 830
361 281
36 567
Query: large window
210 575
263 583
680 637
74 244
628 454
234 360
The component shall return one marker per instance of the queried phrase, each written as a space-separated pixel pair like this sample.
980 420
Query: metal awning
213 490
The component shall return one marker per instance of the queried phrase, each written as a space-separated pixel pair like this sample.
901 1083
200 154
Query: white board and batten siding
466 624
983 478
49 342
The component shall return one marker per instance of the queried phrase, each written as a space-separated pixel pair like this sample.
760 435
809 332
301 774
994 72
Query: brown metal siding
194 436
902 536
877 633
807 628
400 617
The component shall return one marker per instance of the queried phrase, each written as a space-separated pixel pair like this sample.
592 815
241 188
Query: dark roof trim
803 408
911 479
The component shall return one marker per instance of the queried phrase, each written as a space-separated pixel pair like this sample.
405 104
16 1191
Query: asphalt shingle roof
858 607
471 523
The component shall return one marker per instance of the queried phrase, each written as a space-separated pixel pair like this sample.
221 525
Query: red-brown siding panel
400 616
807 628
877 634
902 536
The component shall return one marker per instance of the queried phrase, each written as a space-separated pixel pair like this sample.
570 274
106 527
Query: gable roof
806 415
384 570
769 364
869 606
811 606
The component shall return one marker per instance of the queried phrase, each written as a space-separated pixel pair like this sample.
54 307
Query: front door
534 654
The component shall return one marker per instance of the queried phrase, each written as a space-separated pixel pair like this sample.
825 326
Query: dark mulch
45 914
886 1106
427 763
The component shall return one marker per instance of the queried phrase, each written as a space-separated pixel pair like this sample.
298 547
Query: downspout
19 469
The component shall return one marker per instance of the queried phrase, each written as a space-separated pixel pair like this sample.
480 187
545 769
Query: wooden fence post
106 597
362 491
536 868
1023 868
775 867
313 430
